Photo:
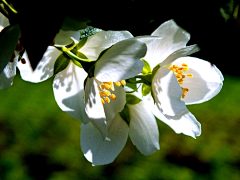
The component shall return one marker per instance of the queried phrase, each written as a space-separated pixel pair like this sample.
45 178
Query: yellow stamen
123 82
113 96
190 75
118 84
183 64
102 101
180 72
107 99
106 92
101 94
107 86
186 69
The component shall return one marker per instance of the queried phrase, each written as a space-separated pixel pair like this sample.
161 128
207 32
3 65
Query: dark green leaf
131 99
61 63
126 114
145 89
8 41
81 43
146 68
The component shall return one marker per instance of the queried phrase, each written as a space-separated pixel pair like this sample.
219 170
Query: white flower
142 130
180 80
120 62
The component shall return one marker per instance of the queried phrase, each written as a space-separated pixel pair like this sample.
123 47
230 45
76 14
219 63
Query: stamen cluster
105 89
179 73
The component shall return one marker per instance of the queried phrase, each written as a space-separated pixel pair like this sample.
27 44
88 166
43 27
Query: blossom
119 62
179 80
142 130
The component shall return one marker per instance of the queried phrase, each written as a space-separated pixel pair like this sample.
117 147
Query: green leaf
8 42
131 99
155 70
81 43
146 68
146 89
61 63
126 114
74 23
77 63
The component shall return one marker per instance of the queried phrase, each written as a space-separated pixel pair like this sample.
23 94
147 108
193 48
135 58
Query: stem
71 55
10 7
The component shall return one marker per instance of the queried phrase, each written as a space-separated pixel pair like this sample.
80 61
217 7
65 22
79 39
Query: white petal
116 105
102 40
172 38
121 61
101 152
9 72
3 22
206 82
94 107
167 92
184 123
143 128
66 37
44 69
68 89
180 53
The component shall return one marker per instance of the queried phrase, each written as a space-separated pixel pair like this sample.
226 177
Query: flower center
180 75
106 90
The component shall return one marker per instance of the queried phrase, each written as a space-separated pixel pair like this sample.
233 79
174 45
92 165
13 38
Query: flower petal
66 37
44 69
8 73
102 40
185 123
172 38
206 82
4 22
167 92
116 105
68 89
94 108
180 53
121 61
143 129
101 152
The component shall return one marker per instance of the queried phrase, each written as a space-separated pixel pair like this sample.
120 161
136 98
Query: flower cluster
117 85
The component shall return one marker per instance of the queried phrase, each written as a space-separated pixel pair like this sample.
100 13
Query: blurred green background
39 141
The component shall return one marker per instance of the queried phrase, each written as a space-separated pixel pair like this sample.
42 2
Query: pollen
113 96
123 82
106 93
179 72
118 84
107 100
106 90
102 101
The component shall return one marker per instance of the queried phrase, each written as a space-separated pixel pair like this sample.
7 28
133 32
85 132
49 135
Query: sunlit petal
44 69
143 128
94 107
101 41
3 22
167 92
9 72
206 82
66 37
121 61
101 152
68 88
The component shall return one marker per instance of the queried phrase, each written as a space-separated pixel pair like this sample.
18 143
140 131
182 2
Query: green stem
10 7
71 55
